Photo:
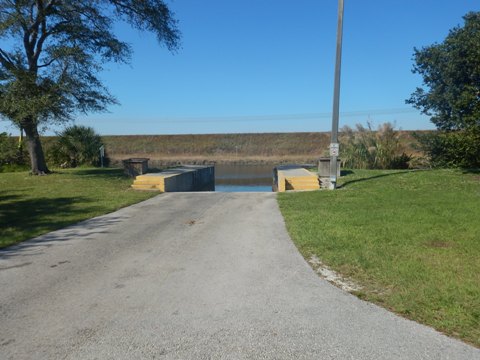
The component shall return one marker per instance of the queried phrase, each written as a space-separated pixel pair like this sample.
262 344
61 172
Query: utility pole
102 154
334 146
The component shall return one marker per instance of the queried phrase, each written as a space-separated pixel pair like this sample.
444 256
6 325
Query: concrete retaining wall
191 178
185 178
294 177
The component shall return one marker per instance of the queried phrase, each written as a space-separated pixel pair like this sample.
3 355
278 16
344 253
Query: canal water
243 178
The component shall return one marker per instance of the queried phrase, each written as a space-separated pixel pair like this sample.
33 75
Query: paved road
191 276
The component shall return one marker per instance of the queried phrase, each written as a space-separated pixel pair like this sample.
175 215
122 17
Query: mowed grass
34 205
411 239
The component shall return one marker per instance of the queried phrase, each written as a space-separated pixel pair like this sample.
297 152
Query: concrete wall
135 167
324 167
204 179
294 177
191 178
279 182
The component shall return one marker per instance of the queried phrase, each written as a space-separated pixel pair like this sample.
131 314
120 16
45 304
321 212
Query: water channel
243 178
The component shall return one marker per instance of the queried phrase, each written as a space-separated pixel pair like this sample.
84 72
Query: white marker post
334 146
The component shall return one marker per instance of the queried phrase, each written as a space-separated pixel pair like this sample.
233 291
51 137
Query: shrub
452 149
76 145
13 155
364 148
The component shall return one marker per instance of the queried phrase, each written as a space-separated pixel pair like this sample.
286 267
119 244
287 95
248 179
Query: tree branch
48 63
6 61
35 44
43 37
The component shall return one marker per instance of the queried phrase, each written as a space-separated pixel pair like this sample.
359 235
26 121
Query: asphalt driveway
191 276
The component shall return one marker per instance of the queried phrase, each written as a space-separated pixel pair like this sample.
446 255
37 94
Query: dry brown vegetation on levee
227 148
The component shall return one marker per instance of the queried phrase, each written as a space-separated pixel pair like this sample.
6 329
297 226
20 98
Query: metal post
334 147
102 155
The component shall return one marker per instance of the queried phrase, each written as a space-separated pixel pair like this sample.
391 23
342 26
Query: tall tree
451 94
53 51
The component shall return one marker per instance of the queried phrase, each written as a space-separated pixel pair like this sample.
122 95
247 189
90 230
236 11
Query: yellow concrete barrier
184 178
294 177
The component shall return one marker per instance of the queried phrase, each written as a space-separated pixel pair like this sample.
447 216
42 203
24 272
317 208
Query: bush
452 149
363 148
13 156
76 145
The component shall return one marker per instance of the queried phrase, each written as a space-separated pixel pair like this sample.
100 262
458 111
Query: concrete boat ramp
191 276
202 178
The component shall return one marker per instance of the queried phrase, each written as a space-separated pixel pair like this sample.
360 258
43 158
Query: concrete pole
102 154
334 147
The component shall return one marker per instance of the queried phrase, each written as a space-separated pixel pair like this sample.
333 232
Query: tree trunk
34 146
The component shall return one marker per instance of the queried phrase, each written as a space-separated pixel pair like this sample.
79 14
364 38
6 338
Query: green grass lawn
411 239
34 205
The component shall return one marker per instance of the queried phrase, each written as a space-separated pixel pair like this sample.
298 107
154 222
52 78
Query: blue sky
267 66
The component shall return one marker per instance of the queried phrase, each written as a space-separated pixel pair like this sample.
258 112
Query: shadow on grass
21 219
101 172
375 177
471 171
4 198
346 172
